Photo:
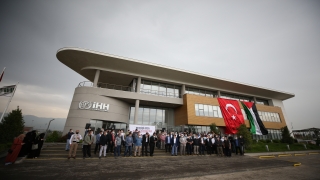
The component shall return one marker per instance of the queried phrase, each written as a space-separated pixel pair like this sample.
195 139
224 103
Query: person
134 135
74 141
183 142
174 145
68 139
138 144
103 144
31 141
109 144
15 149
209 144
237 145
163 139
202 145
39 140
196 144
153 141
129 142
219 147
117 145
87 142
97 147
145 144
214 145
189 145
242 142
227 146
232 143
168 143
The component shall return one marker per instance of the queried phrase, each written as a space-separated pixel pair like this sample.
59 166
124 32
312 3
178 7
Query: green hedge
279 147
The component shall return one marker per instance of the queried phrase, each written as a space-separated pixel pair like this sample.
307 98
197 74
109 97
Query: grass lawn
279 147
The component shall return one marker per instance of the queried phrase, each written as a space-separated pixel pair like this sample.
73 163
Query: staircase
51 151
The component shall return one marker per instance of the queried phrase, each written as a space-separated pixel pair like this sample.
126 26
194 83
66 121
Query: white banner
142 128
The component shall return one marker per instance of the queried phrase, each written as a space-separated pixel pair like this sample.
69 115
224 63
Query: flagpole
9 102
1 76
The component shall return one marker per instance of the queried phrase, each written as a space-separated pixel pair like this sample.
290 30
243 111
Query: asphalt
53 164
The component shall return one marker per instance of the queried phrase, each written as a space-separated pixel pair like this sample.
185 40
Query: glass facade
269 116
160 89
272 134
236 97
207 110
153 116
96 125
262 101
201 92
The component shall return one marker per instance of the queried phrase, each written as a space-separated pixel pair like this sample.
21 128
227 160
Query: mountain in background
41 123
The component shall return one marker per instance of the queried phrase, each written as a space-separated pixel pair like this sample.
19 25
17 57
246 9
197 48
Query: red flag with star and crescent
232 114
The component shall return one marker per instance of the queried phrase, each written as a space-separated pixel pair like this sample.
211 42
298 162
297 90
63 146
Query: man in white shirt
74 140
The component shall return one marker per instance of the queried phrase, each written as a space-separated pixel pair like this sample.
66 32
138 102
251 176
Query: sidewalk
277 153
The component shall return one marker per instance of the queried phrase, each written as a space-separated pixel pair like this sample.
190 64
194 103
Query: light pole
47 131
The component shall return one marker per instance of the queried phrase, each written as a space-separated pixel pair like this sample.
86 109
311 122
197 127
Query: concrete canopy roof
121 71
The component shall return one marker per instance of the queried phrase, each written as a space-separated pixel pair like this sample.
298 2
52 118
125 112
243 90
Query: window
201 92
160 89
207 110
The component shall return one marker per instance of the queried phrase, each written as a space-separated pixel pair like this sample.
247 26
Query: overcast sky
273 44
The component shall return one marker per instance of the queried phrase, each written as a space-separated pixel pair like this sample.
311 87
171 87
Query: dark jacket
241 141
177 141
168 139
69 135
103 140
196 142
144 138
153 139
209 142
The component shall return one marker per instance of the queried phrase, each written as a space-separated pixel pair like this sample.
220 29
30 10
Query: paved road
194 167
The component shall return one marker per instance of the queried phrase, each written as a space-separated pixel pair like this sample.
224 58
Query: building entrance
97 125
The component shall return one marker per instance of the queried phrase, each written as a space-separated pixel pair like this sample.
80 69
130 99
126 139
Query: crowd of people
135 144
25 145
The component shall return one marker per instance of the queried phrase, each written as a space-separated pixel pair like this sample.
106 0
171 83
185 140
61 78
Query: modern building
122 91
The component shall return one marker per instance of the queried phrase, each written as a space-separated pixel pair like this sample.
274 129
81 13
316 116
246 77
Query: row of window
201 92
236 97
269 116
150 116
214 111
208 110
160 89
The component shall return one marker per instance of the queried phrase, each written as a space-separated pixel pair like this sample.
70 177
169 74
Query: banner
7 90
232 115
142 128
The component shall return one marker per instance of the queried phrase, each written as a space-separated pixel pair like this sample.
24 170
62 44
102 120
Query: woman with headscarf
38 140
31 142
15 149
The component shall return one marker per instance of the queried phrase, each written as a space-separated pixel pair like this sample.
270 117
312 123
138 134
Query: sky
272 44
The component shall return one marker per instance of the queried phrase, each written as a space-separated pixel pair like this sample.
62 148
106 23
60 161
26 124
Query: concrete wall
77 118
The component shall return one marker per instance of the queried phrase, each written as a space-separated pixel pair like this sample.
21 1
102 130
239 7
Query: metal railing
106 86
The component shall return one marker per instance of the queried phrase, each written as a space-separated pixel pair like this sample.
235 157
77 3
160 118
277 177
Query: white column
219 94
138 84
96 78
136 111
183 90
255 100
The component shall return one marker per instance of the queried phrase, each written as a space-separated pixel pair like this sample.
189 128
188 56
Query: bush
53 137
268 141
286 138
245 133
276 141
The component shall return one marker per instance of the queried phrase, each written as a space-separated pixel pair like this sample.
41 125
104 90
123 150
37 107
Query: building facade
122 91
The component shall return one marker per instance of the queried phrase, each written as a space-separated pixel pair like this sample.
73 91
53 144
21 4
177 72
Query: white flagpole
9 101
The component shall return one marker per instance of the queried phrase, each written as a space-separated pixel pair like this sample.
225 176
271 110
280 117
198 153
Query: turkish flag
232 114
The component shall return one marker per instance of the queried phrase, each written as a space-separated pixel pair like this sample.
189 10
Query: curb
261 157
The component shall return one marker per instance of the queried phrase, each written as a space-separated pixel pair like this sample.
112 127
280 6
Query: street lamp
47 131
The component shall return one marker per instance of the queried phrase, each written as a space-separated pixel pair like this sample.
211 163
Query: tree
245 133
286 138
11 126
213 128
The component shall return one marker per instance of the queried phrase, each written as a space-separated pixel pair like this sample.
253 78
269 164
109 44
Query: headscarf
21 137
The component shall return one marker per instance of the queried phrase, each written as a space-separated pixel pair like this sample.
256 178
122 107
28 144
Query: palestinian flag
256 125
